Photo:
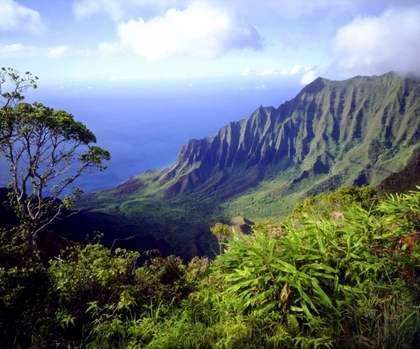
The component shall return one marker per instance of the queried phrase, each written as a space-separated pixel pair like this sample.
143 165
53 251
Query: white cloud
376 45
246 72
24 51
300 8
296 69
201 30
59 51
18 50
14 17
86 8
305 72
116 9
309 76
268 72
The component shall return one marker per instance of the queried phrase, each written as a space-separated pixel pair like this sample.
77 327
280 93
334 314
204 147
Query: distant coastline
145 132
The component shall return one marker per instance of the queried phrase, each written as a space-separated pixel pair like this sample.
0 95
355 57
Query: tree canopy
47 150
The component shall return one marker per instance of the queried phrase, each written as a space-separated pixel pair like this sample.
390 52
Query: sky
147 75
83 42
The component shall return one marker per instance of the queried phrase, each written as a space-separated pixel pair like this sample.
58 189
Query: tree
19 84
47 150
222 232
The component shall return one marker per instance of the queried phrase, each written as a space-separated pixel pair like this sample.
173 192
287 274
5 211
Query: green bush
349 282
24 294
315 281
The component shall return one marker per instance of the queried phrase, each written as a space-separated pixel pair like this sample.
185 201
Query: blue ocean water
145 125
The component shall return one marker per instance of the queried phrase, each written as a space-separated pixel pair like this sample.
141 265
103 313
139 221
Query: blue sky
147 75
69 42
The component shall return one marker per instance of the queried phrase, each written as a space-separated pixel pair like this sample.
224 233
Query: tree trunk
32 246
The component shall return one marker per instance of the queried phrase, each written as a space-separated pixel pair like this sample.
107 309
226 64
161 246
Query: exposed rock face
351 132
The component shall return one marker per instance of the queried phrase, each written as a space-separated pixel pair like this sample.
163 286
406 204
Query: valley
333 133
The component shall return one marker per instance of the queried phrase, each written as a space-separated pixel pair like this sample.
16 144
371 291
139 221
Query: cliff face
354 131
359 131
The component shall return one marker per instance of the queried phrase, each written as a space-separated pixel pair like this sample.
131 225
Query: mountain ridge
362 119
333 133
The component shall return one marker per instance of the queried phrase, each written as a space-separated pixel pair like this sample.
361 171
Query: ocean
145 124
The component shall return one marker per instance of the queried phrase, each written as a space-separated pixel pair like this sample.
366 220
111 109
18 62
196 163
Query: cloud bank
86 8
307 74
201 30
117 9
24 51
376 45
14 17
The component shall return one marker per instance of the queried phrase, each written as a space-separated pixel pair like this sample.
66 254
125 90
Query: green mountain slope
406 180
333 133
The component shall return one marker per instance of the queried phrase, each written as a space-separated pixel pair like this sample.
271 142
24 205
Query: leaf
284 266
93 307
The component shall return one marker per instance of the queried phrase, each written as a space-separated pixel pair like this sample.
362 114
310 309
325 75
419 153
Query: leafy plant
333 276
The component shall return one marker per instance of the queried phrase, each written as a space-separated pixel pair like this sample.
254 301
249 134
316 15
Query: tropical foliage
317 280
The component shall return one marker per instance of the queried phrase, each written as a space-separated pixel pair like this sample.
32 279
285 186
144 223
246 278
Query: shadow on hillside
170 235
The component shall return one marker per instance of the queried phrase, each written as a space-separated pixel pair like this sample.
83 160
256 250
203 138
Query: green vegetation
182 225
41 145
342 271
222 232
332 204
332 134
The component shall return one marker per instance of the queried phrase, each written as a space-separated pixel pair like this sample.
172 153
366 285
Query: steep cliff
359 131
332 133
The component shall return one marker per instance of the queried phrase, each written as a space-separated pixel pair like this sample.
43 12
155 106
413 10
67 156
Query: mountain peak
332 133
315 86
